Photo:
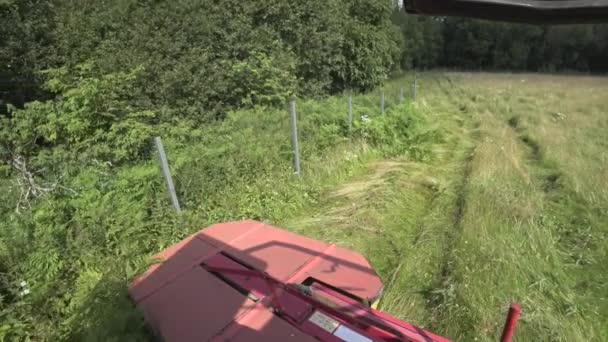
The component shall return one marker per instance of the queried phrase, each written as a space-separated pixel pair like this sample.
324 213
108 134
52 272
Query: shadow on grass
108 314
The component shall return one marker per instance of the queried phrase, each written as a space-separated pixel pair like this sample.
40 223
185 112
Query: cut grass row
511 207
523 220
401 214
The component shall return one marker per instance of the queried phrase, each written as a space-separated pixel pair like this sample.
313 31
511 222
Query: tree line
484 45
197 59
110 74
200 58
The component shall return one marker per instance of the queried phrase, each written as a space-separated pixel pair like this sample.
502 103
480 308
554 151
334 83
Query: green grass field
512 207
489 189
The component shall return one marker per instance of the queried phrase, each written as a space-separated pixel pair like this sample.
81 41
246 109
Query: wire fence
294 137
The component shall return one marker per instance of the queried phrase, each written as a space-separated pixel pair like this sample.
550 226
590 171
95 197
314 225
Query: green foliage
92 118
396 134
198 65
421 40
26 47
264 79
476 44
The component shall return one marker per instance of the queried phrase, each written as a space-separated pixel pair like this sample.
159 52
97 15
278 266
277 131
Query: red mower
248 281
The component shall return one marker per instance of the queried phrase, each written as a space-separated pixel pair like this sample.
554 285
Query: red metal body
248 281
510 324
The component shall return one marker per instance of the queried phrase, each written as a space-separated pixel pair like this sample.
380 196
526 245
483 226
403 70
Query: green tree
26 47
91 118
195 52
422 40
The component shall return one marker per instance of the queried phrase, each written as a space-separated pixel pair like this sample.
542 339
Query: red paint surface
509 329
180 311
199 291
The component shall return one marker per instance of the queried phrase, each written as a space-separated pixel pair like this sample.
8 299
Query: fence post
401 95
167 173
294 136
414 87
350 112
382 102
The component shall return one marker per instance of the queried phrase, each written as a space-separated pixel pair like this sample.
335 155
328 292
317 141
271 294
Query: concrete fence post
350 112
414 87
294 136
167 173
382 102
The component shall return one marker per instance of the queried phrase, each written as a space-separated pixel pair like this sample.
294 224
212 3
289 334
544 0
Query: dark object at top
525 11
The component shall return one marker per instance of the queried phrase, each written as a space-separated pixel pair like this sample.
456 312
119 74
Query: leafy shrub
400 131
264 79
91 118
198 65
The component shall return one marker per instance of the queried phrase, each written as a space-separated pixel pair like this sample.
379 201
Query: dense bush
25 49
397 135
91 118
202 58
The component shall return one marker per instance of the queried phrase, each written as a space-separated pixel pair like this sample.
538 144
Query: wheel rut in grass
440 295
575 224
549 174
570 215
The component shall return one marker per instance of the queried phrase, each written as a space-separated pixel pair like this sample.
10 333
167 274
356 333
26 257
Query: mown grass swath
506 209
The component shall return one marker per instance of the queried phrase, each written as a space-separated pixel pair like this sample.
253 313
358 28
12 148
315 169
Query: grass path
530 235
513 206
400 214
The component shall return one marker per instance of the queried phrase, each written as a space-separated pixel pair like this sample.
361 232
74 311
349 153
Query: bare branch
30 187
